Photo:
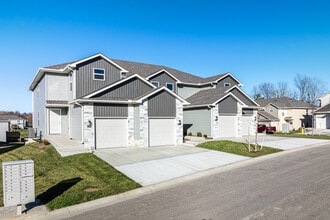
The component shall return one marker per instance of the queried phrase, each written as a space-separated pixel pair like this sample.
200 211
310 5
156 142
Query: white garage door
161 132
228 126
111 133
320 122
247 125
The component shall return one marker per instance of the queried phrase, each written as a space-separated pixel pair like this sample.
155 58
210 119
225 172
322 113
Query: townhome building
107 103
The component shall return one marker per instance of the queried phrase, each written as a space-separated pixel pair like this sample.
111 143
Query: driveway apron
149 166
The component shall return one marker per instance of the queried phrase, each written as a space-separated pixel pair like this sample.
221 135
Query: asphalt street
292 186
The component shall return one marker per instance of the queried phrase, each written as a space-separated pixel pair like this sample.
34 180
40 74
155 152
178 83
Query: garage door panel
228 126
111 133
161 132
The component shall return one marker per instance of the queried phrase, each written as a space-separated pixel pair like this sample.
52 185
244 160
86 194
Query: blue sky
257 41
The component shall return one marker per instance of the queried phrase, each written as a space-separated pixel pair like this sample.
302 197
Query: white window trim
170 84
152 82
227 84
98 74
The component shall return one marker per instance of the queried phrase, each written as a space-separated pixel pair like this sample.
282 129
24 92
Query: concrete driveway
284 143
149 166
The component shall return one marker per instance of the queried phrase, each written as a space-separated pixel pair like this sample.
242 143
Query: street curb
74 210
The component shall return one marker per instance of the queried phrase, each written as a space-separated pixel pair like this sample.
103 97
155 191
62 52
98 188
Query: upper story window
170 86
271 110
226 84
98 74
155 83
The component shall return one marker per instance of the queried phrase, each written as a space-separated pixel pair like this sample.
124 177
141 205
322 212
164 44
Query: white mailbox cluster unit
18 182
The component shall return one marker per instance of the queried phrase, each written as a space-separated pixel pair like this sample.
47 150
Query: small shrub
189 134
44 141
199 134
205 136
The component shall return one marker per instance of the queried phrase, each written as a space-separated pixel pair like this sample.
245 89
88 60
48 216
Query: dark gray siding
84 79
247 111
131 89
227 79
228 106
110 110
162 105
242 97
164 78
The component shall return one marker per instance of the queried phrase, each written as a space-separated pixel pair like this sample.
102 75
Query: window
98 74
271 110
170 86
155 83
226 84
283 114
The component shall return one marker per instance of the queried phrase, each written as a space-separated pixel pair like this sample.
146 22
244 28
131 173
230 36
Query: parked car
267 129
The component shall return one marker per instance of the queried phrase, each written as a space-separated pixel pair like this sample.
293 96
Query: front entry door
55 121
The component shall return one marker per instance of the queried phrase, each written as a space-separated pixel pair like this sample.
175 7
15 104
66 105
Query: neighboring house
287 112
268 119
15 121
4 127
322 114
108 103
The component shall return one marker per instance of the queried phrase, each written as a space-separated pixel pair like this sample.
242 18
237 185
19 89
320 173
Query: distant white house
322 115
15 121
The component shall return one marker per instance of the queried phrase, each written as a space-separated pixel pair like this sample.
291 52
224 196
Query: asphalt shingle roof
207 97
284 102
325 108
145 70
268 116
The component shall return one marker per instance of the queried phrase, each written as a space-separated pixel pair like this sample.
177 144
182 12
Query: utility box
18 182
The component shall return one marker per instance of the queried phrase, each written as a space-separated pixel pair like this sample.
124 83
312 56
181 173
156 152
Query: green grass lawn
66 181
236 148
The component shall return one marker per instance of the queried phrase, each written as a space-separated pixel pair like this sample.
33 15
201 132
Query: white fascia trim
243 94
74 65
118 83
57 105
229 74
40 73
184 102
103 101
229 94
160 71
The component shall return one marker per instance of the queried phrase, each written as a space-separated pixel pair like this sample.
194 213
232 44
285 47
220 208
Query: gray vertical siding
197 120
242 97
110 110
227 79
84 77
228 106
38 108
186 91
64 121
247 112
162 104
57 87
129 90
75 122
164 78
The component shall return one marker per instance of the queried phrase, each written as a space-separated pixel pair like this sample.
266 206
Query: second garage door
111 133
161 131
228 126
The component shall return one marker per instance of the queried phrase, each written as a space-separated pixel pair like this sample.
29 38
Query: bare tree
267 90
282 90
309 88
255 93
